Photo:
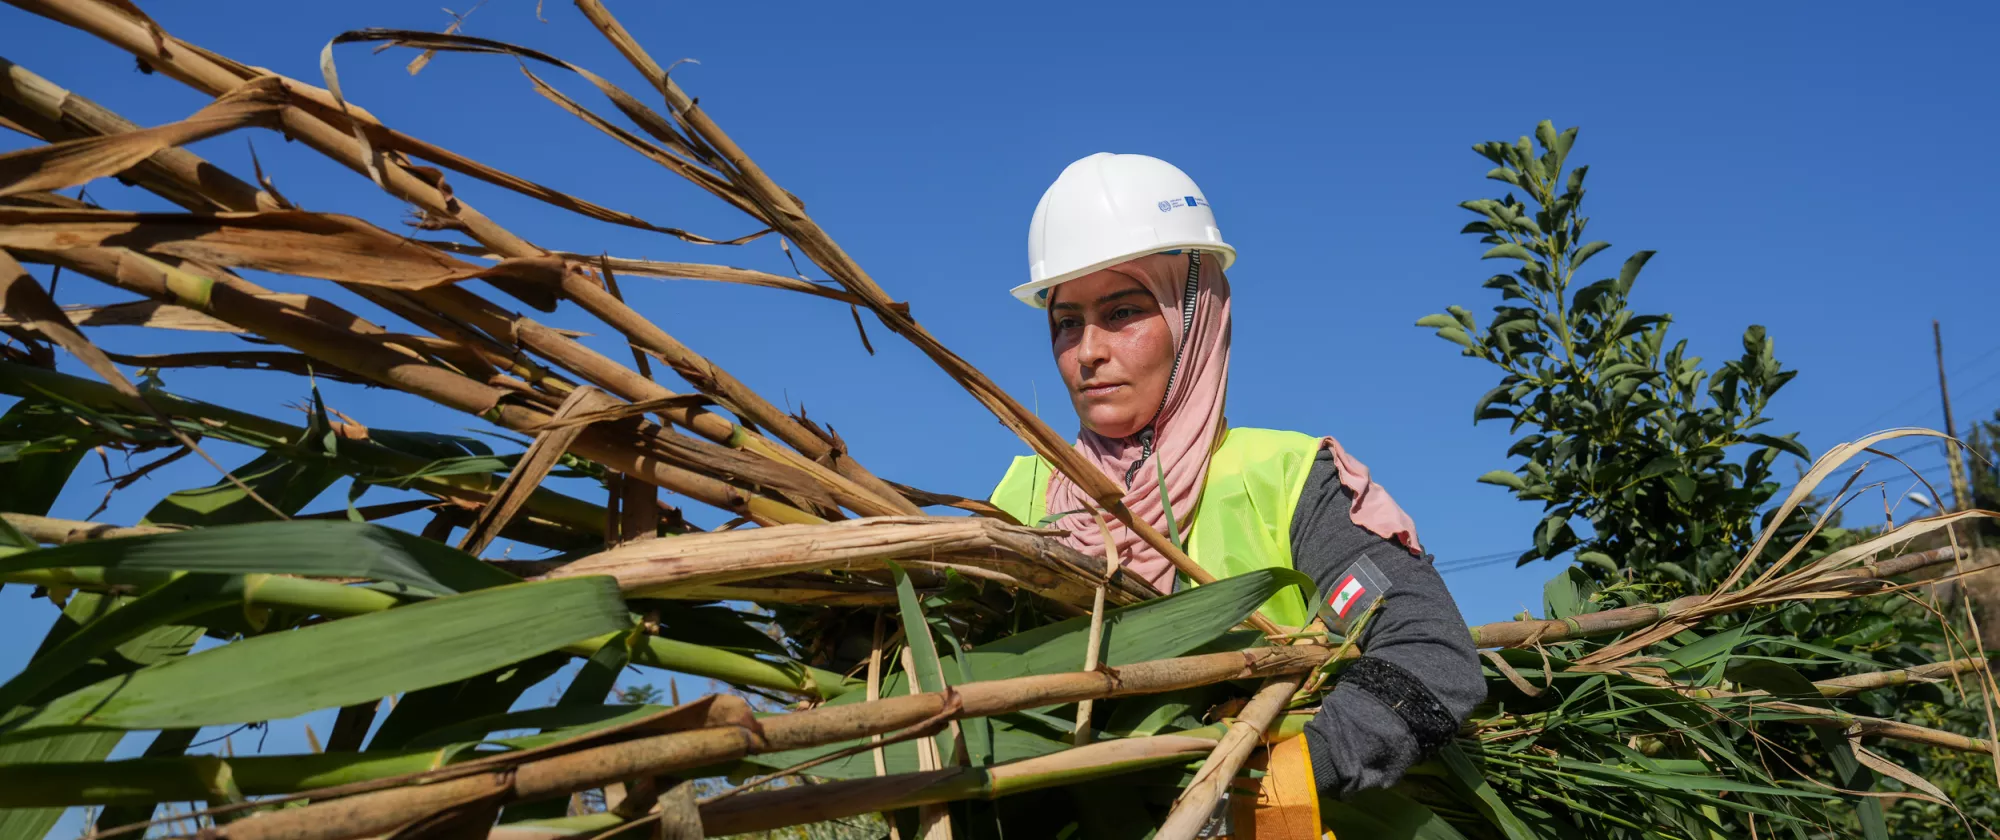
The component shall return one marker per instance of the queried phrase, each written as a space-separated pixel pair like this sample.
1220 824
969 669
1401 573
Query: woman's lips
1100 390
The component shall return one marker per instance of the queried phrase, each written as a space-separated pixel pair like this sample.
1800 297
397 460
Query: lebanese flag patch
1346 595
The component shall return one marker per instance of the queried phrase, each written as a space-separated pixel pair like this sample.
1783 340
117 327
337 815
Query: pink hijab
1187 430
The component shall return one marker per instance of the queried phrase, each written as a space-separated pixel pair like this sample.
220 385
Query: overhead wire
1959 368
1460 564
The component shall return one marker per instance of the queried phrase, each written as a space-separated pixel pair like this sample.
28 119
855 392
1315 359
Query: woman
1125 257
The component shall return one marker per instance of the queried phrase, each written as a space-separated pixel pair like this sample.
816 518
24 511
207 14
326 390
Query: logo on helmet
1183 201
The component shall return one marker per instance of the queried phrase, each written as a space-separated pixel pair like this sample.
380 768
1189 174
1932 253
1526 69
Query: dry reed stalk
476 361
215 75
518 406
1030 558
526 777
882 500
1080 735
239 191
66 164
875 693
925 498
611 376
1530 632
274 319
816 727
181 177
297 364
54 113
291 327
303 120
1208 793
802 804
1871 726
933 819
374 135
546 505
639 511
799 590
542 456
710 379
716 273
782 212
25 299
707 714
1834 687
835 800
139 313
1825 577
327 246
1933 672
60 531
705 375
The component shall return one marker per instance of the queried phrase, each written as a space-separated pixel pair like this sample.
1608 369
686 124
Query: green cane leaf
318 548
347 661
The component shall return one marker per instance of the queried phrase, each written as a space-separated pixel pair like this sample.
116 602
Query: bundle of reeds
931 660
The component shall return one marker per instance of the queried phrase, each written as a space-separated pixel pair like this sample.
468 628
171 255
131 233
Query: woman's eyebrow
1104 300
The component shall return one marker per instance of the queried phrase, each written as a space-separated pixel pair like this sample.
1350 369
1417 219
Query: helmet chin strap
1187 326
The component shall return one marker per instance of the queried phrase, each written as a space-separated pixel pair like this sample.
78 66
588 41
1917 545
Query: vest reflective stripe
1243 521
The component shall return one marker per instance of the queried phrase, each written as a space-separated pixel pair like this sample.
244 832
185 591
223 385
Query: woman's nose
1093 349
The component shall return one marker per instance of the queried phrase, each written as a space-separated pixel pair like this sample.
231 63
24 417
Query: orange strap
1285 805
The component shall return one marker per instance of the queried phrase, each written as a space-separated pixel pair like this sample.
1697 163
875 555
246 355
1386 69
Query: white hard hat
1106 209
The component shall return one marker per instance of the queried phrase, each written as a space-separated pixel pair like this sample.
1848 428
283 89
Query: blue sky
1824 170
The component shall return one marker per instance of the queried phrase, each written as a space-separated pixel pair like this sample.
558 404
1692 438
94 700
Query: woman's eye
1123 312
1067 323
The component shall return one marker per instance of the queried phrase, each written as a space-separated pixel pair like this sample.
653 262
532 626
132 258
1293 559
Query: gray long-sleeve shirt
1369 729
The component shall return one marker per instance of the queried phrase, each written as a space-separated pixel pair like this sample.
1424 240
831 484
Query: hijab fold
1187 429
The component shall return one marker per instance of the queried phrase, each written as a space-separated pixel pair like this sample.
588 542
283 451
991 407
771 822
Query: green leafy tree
1659 457
1625 432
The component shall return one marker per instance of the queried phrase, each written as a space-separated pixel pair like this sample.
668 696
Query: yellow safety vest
1243 520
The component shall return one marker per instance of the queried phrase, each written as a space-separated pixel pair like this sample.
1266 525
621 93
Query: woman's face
1114 350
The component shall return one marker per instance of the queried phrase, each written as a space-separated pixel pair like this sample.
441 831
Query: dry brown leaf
326 246
66 164
468 818
416 65
267 360
44 198
787 214
1899 773
25 299
626 410
377 139
676 163
680 819
29 304
1519 682
138 313
270 189
542 456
